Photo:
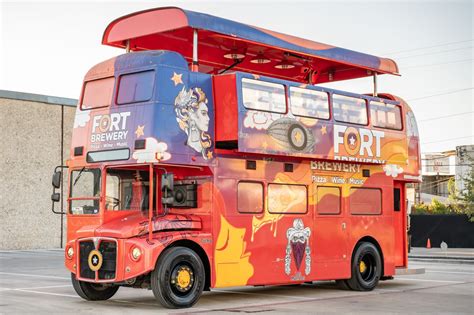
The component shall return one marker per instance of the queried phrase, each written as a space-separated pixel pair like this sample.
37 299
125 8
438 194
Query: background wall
35 135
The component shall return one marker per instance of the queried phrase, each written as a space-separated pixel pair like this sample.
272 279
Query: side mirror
55 197
167 186
56 182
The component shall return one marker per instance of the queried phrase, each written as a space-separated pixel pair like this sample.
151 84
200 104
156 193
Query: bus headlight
136 253
70 252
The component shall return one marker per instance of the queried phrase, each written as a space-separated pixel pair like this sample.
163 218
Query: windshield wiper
78 176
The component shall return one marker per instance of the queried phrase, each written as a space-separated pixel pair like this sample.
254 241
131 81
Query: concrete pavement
37 282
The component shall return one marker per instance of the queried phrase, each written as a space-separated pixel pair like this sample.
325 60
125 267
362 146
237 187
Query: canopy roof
172 28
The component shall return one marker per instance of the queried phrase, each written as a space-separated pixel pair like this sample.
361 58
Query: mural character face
201 117
192 115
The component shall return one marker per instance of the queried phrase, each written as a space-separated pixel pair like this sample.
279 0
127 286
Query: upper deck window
98 93
309 103
136 87
265 96
349 109
385 115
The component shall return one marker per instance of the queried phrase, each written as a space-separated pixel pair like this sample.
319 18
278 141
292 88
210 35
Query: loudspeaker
185 196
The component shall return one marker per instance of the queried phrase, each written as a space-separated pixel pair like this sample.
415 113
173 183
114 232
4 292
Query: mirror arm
56 169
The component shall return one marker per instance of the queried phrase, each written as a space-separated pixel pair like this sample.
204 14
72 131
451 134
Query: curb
452 260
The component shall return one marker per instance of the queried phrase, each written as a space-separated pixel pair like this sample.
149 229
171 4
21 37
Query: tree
463 201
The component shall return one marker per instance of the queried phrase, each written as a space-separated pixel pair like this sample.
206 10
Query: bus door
399 224
330 231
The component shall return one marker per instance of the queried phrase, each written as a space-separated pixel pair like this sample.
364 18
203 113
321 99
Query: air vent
366 173
78 151
289 167
140 144
251 165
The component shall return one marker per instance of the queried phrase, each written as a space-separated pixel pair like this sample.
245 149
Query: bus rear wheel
93 291
366 268
179 278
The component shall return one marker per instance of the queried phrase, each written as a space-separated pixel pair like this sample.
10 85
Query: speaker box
185 196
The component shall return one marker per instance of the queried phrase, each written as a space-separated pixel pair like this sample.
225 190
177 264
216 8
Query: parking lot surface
37 282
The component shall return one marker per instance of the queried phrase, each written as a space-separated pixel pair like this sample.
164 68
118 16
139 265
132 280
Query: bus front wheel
178 279
93 291
366 268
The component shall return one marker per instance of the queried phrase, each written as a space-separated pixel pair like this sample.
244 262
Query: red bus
208 156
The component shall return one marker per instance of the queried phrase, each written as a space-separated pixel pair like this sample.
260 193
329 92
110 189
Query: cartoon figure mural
192 117
298 245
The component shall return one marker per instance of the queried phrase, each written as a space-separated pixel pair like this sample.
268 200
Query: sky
47 47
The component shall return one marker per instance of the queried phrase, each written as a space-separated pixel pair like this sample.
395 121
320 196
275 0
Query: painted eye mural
298 246
292 135
192 115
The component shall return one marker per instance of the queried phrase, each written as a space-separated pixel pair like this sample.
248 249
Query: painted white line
426 280
49 293
35 288
34 276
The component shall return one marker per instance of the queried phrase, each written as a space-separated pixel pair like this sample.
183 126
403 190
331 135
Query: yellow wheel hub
362 267
183 278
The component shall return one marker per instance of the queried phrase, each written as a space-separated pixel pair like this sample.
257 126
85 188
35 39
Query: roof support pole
375 84
151 211
127 48
195 65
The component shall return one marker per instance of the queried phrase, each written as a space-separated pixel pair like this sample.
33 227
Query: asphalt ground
37 282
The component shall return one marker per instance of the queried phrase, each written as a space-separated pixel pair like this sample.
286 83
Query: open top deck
222 43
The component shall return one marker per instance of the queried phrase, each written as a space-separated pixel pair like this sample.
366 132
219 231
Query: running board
402 271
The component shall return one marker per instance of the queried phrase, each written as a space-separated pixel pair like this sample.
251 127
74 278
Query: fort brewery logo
359 144
110 127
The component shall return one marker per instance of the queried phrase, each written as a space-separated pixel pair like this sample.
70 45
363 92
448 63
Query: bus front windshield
84 191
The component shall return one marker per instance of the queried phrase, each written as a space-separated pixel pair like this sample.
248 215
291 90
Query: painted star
323 130
298 136
352 140
177 78
140 131
209 155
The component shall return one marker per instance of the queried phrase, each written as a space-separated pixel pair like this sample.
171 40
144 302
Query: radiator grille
108 249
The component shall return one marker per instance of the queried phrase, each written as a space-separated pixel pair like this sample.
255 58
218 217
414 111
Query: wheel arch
201 253
373 241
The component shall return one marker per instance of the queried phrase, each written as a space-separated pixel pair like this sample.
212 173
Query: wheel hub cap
183 279
362 267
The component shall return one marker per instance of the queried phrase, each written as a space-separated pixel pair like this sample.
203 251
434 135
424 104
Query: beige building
35 137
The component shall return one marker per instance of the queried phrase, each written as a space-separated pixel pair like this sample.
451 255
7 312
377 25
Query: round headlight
136 253
70 252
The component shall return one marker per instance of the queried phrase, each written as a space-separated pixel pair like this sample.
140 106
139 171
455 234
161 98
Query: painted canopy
171 28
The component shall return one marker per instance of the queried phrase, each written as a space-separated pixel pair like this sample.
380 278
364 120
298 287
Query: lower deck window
286 198
365 201
250 197
329 200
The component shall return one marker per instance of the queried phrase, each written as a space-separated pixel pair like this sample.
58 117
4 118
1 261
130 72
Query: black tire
366 268
93 291
165 279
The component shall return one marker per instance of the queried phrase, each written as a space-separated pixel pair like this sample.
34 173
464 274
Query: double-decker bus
209 156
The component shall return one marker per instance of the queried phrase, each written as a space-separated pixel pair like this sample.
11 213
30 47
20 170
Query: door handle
343 225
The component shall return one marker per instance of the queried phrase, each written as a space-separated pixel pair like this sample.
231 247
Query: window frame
328 95
365 188
119 81
387 128
285 94
288 213
84 84
349 122
340 201
263 196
